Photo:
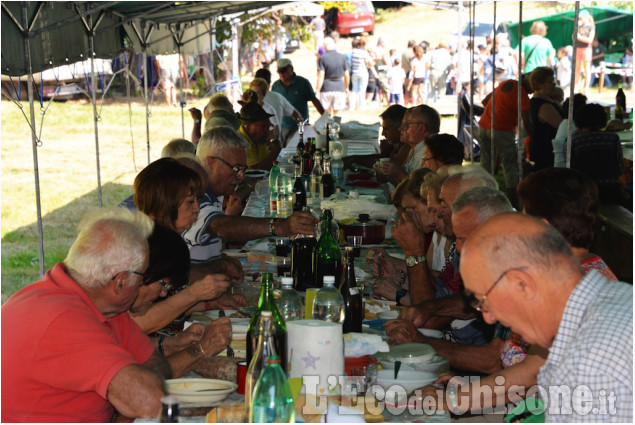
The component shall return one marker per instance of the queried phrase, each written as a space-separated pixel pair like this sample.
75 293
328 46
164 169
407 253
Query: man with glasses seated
70 350
261 134
223 153
419 123
468 344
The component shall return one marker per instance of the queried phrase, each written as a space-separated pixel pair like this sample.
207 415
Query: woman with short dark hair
546 117
442 149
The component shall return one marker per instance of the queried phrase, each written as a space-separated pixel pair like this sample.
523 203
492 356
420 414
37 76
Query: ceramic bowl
411 353
199 390
409 380
388 314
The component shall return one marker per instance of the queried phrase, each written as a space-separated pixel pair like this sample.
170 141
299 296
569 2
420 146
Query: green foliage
622 5
381 14
343 6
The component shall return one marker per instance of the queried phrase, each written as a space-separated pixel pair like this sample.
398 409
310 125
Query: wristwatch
413 260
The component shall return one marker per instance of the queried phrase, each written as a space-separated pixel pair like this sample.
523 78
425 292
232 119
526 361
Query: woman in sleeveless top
546 117
584 49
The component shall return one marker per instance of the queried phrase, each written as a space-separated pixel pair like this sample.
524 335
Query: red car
361 19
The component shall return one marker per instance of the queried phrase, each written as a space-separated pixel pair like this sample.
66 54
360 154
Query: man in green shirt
537 49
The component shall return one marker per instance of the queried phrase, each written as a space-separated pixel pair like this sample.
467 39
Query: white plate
234 253
213 314
409 380
188 390
389 314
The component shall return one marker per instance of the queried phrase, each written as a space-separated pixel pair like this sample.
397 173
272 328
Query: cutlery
230 350
397 367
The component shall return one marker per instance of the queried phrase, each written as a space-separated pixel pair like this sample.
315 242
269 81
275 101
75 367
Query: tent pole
34 142
212 42
93 88
572 86
145 86
520 149
473 21
492 100
181 101
235 68
458 76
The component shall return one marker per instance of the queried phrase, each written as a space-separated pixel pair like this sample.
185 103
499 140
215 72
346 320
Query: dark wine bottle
353 307
328 183
302 261
299 192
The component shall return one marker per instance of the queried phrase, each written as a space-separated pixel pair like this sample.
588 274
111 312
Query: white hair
329 44
217 140
109 241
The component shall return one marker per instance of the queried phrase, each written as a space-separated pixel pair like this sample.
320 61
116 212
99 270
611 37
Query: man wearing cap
256 128
332 78
298 91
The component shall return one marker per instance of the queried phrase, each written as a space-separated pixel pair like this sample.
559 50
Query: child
563 68
396 76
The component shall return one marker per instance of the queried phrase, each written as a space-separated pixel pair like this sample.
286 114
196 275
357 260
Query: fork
230 350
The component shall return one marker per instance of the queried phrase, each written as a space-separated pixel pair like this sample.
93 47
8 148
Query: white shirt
279 105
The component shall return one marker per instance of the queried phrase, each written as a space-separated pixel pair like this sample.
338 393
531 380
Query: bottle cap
169 400
266 314
287 281
329 280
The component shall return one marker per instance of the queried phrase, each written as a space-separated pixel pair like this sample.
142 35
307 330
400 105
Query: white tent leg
93 91
36 170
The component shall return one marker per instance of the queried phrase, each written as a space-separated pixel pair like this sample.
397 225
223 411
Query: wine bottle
299 192
267 303
302 261
273 188
354 309
327 184
327 259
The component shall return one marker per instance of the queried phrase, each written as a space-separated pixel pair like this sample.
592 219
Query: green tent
612 25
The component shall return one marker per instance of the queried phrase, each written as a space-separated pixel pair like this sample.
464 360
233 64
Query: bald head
526 271
461 180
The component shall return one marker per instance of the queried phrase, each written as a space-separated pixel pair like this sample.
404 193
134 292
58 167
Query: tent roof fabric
610 23
58 31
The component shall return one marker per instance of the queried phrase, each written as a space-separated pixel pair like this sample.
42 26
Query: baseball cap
283 63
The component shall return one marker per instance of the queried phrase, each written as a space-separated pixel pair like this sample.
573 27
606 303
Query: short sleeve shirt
255 152
59 353
298 93
592 352
543 49
203 245
334 65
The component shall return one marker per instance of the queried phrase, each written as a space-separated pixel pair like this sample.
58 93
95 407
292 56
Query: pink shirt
59 353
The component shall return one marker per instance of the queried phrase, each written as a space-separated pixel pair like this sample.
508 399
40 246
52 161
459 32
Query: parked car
292 44
357 21
482 30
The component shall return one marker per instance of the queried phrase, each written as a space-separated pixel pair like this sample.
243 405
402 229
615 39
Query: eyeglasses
427 159
166 285
267 127
144 276
408 124
478 304
237 170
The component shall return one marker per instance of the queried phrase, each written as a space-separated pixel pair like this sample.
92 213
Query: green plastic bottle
272 401
268 303
327 258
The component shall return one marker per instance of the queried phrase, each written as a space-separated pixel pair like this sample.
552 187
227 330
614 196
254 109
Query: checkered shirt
593 348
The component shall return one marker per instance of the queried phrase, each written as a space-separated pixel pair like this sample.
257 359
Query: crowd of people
518 296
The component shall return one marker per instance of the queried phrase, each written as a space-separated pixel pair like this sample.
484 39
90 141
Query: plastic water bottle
272 400
273 188
337 167
328 304
284 191
289 303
